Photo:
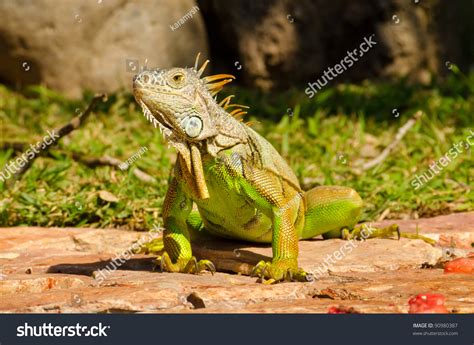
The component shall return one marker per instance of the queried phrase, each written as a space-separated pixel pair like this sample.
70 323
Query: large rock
278 43
73 45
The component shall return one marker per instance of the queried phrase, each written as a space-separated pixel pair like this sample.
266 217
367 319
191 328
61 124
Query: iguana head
182 105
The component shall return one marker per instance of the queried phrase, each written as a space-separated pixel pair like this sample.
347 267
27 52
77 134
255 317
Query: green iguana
242 187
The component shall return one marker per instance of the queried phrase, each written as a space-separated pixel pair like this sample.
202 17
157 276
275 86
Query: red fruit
342 310
461 265
427 303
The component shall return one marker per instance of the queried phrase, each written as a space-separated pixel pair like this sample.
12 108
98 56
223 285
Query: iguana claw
387 232
191 265
280 270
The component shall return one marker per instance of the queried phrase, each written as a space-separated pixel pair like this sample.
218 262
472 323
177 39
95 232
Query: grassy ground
325 140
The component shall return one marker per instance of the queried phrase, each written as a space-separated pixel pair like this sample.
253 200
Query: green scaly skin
239 185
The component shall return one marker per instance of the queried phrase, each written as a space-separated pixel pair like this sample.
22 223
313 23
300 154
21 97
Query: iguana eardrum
242 187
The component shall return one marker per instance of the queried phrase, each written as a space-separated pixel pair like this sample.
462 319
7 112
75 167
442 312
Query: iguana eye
192 126
178 77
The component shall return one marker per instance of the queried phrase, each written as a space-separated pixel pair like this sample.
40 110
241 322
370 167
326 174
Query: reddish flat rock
46 270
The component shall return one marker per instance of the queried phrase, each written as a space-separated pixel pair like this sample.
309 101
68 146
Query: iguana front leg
177 256
284 265
265 191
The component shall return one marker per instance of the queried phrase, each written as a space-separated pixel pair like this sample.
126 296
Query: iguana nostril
146 78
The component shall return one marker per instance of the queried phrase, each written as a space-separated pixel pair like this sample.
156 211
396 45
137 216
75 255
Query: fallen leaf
107 196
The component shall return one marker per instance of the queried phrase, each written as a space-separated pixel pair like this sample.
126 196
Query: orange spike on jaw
251 123
215 77
240 115
213 87
215 83
237 105
235 111
226 101
215 91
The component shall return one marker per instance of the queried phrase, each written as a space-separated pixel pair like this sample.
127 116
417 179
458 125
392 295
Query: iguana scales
242 187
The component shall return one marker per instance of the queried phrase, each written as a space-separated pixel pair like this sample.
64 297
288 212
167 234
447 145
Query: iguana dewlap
242 187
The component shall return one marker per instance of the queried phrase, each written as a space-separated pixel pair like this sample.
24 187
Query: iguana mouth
161 123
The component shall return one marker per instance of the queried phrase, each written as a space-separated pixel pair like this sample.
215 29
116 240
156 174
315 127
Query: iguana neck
230 132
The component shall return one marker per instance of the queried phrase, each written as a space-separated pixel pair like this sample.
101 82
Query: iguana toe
365 232
207 265
184 265
280 270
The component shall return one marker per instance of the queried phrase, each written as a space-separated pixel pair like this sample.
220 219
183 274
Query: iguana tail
329 209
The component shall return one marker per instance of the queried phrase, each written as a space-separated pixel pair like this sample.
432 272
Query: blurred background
54 55
74 45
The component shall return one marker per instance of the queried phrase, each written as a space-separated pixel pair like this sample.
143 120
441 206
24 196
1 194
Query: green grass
325 141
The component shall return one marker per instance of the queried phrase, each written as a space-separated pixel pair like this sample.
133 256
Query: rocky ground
50 270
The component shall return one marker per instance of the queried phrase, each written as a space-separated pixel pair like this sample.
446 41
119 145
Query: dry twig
75 123
400 134
111 161
91 162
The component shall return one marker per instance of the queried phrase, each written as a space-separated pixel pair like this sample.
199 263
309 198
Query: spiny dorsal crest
215 83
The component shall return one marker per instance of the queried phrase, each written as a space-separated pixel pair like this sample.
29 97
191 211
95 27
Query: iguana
242 187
